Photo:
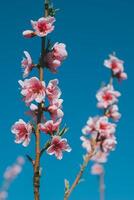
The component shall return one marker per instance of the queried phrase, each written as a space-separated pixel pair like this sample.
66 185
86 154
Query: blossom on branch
104 127
52 90
43 26
28 34
109 144
113 112
33 89
86 143
90 126
107 96
116 65
57 146
97 169
100 156
27 64
10 174
99 125
50 127
22 131
55 109
55 57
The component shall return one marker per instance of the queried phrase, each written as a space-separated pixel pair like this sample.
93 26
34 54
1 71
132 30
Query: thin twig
36 178
77 180
102 186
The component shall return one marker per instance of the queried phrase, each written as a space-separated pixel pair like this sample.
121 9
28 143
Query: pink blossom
90 126
59 50
109 144
20 160
33 107
50 126
57 146
100 157
3 195
12 172
27 64
22 131
86 143
97 169
55 57
43 26
99 125
55 109
51 62
104 127
33 89
121 76
28 33
115 64
113 112
52 90
33 112
107 96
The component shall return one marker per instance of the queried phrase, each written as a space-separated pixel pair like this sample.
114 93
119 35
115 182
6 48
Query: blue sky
91 29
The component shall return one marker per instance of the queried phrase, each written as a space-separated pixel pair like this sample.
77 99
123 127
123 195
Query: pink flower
12 172
86 143
33 107
51 62
33 112
57 146
59 51
27 64
97 169
55 109
22 131
100 157
107 96
33 89
91 125
113 112
20 160
55 57
43 26
28 34
3 195
121 76
115 64
50 126
105 128
109 144
52 90
99 125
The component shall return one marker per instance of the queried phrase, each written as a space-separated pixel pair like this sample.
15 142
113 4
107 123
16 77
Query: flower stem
36 178
80 173
102 186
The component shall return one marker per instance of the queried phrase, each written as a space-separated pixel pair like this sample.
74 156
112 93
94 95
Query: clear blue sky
91 29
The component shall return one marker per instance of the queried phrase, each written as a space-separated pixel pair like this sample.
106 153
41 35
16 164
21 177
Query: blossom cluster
36 91
116 66
55 54
102 128
9 175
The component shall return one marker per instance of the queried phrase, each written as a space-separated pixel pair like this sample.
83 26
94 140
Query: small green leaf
63 131
67 185
81 180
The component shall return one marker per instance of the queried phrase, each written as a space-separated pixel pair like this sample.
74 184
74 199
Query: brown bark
80 174
36 177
